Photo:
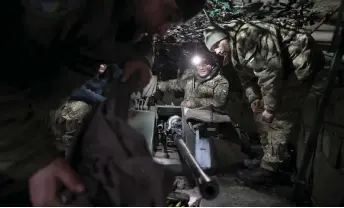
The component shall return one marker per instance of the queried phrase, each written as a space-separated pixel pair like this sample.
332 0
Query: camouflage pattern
265 54
212 91
67 120
49 76
285 126
276 64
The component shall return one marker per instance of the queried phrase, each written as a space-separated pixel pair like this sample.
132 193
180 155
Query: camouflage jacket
212 91
265 54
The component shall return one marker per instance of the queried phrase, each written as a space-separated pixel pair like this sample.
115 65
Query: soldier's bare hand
137 66
43 183
267 116
189 104
256 106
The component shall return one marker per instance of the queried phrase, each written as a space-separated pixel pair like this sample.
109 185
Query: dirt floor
232 191
235 194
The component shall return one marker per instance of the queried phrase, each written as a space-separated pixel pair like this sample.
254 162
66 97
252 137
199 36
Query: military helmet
212 35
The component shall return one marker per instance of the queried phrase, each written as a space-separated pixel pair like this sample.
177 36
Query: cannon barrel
209 188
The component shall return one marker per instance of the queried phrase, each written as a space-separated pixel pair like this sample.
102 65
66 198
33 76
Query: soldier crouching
276 65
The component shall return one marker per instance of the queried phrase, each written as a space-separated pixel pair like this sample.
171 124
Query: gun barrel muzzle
209 188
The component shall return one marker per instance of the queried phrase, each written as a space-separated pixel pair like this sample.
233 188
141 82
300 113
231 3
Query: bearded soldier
202 87
276 66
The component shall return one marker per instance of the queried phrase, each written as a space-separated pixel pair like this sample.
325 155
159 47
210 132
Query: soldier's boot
257 176
252 163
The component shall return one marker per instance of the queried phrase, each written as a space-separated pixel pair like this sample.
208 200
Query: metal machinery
182 142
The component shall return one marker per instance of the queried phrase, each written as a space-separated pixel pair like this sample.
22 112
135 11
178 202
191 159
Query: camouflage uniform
211 91
57 52
276 64
67 120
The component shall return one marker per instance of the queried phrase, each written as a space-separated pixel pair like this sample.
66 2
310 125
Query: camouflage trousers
285 127
66 120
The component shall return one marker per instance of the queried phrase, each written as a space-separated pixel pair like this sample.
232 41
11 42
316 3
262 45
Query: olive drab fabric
277 64
212 91
70 115
67 120
56 49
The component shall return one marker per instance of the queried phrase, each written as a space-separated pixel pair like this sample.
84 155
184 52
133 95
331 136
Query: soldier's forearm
251 89
270 102
201 102
251 94
171 85
270 80
271 91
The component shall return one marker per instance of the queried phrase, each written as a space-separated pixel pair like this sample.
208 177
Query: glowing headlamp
196 60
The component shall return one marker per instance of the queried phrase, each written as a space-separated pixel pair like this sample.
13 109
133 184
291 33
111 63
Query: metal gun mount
209 188
164 129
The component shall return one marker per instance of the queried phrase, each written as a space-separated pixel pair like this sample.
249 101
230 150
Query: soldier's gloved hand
43 183
267 116
257 106
137 66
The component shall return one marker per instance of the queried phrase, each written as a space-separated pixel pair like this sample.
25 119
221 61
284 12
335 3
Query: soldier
276 66
53 47
203 87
